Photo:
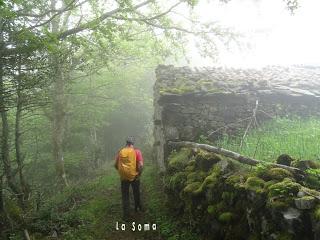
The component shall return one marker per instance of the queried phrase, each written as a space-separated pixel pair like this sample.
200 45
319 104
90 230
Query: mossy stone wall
223 200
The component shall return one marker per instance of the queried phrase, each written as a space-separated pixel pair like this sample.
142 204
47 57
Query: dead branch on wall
236 156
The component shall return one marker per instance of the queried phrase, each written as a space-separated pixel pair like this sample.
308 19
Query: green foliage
316 213
279 173
313 179
315 172
203 139
211 209
285 236
13 210
255 184
285 188
179 160
226 217
193 188
169 226
177 181
296 137
205 160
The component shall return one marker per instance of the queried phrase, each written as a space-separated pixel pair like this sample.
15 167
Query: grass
91 210
300 138
88 211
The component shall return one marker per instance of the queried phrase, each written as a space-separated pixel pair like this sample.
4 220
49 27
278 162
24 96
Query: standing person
129 163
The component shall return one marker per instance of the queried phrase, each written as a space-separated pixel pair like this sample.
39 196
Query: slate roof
291 80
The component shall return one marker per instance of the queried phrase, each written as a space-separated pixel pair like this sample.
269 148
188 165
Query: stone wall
219 199
193 102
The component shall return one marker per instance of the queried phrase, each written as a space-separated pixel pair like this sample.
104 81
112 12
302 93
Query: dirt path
134 229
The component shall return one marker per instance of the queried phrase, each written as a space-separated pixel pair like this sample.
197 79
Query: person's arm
139 161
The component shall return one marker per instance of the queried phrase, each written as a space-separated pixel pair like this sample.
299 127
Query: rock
225 165
284 159
306 164
279 174
292 222
205 160
300 194
250 219
306 202
291 214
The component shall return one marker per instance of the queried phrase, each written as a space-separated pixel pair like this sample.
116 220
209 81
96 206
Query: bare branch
95 22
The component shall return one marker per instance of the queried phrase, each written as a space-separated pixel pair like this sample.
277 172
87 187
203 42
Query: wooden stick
234 155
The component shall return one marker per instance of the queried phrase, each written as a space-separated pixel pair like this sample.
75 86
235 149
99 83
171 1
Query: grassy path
99 208
114 210
90 211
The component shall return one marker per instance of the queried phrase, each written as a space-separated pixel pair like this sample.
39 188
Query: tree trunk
59 118
95 148
234 155
59 102
19 157
5 149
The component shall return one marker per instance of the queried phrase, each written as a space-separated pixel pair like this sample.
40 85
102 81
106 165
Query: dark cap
130 140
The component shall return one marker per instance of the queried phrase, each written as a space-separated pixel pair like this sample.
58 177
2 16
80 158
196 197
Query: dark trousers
125 185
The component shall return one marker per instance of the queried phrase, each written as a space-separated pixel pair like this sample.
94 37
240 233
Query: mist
187 119
268 34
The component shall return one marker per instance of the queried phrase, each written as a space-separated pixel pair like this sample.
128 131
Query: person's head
130 141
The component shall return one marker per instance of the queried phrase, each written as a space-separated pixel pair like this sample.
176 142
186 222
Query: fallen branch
235 156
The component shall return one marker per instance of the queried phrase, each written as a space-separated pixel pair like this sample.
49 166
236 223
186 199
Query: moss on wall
235 202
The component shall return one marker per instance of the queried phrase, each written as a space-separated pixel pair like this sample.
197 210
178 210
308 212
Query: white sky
272 35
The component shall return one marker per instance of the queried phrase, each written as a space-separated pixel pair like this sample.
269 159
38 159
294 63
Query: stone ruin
193 102
215 196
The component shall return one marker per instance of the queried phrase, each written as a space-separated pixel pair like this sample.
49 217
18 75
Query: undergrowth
299 138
